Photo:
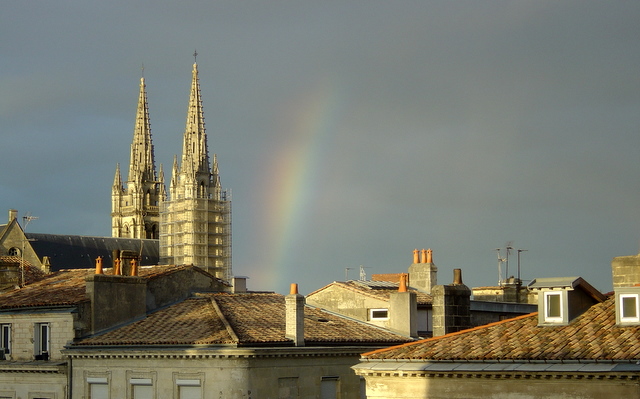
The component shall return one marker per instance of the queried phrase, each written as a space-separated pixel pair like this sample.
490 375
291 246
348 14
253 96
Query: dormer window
553 307
562 299
628 306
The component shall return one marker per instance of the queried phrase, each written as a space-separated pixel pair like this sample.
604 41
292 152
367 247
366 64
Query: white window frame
373 311
5 337
145 382
623 319
39 347
95 381
553 319
187 380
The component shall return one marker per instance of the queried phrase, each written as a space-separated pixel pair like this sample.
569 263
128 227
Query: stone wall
229 374
22 333
459 386
348 303
626 271
451 308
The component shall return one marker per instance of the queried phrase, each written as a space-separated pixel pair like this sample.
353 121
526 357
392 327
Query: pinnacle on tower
142 164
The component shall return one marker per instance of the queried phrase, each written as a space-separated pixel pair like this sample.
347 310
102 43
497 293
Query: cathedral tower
195 223
135 208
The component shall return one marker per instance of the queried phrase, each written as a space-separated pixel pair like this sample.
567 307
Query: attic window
553 307
378 314
628 308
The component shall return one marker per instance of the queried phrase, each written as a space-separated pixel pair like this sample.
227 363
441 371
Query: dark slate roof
242 320
592 336
80 252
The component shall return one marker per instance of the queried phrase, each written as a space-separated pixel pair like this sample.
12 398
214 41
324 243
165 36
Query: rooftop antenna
520 250
509 247
363 274
346 273
26 219
500 261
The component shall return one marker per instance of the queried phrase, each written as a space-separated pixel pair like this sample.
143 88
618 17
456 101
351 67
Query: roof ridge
468 330
223 319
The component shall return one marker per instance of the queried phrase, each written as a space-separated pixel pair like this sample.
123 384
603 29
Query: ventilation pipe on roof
294 308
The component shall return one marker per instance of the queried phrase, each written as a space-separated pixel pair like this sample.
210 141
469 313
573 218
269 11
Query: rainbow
294 171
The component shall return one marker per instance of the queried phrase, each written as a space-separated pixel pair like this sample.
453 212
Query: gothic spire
117 179
142 163
195 154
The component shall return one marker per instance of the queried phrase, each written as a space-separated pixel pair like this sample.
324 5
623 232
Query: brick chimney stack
423 272
451 306
294 307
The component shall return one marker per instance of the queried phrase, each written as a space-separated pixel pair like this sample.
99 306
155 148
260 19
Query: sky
349 132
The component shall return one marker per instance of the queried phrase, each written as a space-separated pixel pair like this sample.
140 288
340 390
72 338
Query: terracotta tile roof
591 336
381 292
191 322
31 273
253 319
66 287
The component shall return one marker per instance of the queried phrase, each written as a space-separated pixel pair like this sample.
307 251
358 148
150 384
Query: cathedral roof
79 252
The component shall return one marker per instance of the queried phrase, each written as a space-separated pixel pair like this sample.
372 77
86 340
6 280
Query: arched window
13 251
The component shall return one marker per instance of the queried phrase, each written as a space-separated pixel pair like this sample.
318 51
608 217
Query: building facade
195 225
135 206
580 344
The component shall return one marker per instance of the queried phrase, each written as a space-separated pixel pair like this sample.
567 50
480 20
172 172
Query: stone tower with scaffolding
195 221
135 207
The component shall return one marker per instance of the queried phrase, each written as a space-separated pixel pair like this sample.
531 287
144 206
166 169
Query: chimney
239 284
99 265
451 306
115 300
423 273
134 267
402 287
625 271
13 214
403 310
294 308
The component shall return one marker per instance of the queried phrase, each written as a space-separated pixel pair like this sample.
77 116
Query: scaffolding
197 231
